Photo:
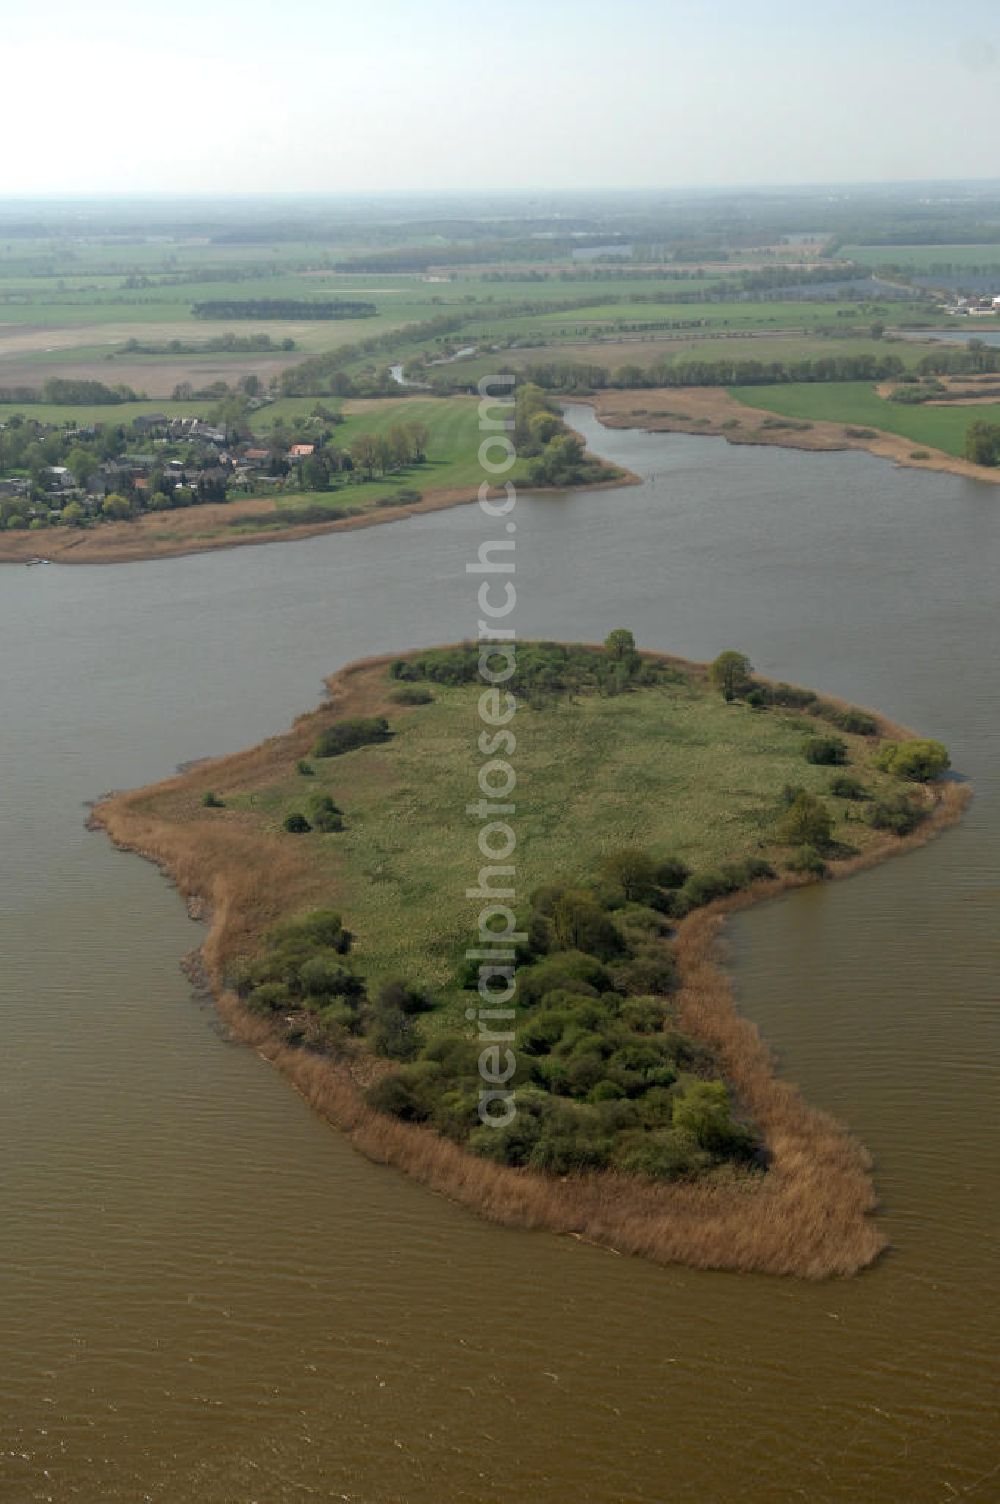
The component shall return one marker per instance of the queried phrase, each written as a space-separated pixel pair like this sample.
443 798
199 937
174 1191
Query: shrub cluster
731 877
320 813
355 731
304 970
807 822
918 760
982 443
391 1019
604 1077
807 860
324 814
897 813
544 671
732 673
282 308
790 696
825 751
848 718
846 786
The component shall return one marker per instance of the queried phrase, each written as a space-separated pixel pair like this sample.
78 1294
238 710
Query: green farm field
614 351
452 448
100 299
83 414
772 317
857 404
923 259
70 305
77 322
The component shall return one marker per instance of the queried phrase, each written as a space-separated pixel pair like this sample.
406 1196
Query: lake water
209 1298
955 336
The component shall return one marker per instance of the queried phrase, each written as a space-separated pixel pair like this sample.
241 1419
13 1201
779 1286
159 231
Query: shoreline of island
810 1215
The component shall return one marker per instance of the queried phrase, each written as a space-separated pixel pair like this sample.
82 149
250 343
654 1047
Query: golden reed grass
811 1215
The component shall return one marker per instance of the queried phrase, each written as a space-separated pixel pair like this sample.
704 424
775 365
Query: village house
59 478
118 475
975 307
212 484
150 423
196 429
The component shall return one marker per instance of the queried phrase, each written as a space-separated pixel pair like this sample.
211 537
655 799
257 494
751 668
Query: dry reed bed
810 1215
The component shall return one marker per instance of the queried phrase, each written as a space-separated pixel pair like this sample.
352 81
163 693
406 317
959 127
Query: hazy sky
318 95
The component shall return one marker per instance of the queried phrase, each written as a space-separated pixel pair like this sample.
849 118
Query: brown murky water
207 1296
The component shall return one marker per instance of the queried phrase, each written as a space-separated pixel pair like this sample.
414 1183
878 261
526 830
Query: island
547 1036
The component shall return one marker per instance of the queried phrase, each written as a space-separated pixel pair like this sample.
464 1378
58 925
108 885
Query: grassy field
72 315
672 769
922 259
857 404
83 414
452 448
614 351
101 300
69 306
90 255
734 317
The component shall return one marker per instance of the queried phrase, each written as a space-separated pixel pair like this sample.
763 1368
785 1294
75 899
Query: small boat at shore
29 562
